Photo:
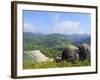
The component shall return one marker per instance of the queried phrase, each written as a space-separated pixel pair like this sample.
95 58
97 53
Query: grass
52 64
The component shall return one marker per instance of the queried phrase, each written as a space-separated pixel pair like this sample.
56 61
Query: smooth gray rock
84 52
70 53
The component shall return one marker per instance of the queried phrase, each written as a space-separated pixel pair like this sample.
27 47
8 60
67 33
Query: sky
56 22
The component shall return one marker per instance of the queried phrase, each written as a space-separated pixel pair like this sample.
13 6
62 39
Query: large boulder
37 56
84 52
70 53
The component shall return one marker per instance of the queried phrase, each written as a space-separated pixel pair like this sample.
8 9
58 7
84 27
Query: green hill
51 44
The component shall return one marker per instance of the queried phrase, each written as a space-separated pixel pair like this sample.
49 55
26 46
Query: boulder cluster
72 53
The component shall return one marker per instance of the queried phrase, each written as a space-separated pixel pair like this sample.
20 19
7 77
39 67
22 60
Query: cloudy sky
56 22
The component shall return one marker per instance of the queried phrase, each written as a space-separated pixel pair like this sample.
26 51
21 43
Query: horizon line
58 33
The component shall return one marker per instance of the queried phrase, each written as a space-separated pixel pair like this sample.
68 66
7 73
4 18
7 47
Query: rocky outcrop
84 52
37 56
70 53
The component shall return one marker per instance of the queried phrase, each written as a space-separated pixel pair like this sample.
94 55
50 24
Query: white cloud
67 27
29 27
64 27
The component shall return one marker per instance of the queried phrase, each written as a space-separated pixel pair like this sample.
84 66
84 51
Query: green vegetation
51 46
53 64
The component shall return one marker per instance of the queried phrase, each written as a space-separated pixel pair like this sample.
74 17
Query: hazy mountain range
56 38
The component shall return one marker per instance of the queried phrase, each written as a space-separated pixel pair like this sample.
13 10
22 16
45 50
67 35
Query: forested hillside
51 45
